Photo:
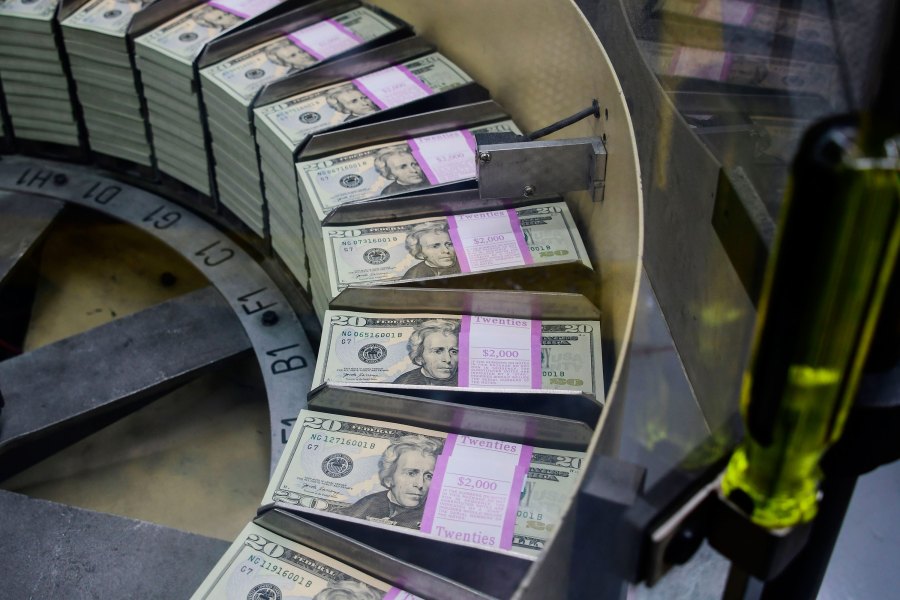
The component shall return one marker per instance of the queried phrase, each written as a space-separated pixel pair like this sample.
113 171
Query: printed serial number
330 439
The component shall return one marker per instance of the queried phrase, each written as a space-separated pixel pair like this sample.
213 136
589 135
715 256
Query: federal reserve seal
337 465
372 353
310 117
254 73
351 181
376 256
265 591
190 36
112 14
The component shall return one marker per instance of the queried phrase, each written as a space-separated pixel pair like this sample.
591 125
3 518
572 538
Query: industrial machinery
145 324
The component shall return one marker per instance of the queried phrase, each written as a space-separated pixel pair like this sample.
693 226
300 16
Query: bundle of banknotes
284 125
415 165
418 351
95 38
230 85
742 70
501 241
755 16
481 492
262 565
35 83
165 57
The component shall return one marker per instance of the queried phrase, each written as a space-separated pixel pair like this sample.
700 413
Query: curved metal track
281 346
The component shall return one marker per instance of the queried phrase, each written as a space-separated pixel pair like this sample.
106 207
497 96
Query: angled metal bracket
525 169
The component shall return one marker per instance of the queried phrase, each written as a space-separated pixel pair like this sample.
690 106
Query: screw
484 157
60 179
683 546
528 191
167 279
269 318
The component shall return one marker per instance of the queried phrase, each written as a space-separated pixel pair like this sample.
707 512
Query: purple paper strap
378 102
461 257
228 9
509 520
362 88
462 366
537 380
314 53
427 89
440 469
519 235
426 168
304 47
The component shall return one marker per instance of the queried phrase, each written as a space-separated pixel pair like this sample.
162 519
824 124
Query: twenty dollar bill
508 496
390 169
466 352
439 247
261 564
297 117
244 74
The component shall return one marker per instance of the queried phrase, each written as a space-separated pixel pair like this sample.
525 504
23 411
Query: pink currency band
440 469
458 246
426 168
361 87
512 504
304 47
228 9
537 381
519 235
345 30
462 370
416 80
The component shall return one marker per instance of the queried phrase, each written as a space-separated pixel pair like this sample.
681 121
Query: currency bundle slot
95 33
528 481
333 96
234 68
480 421
166 51
687 68
525 351
32 64
535 247
768 20
742 28
311 560
344 170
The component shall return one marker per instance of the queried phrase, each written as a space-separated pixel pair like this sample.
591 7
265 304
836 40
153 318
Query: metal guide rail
242 310
250 312
278 340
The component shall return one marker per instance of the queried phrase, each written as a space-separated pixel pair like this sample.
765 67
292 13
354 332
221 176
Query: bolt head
167 279
528 191
269 318
484 157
